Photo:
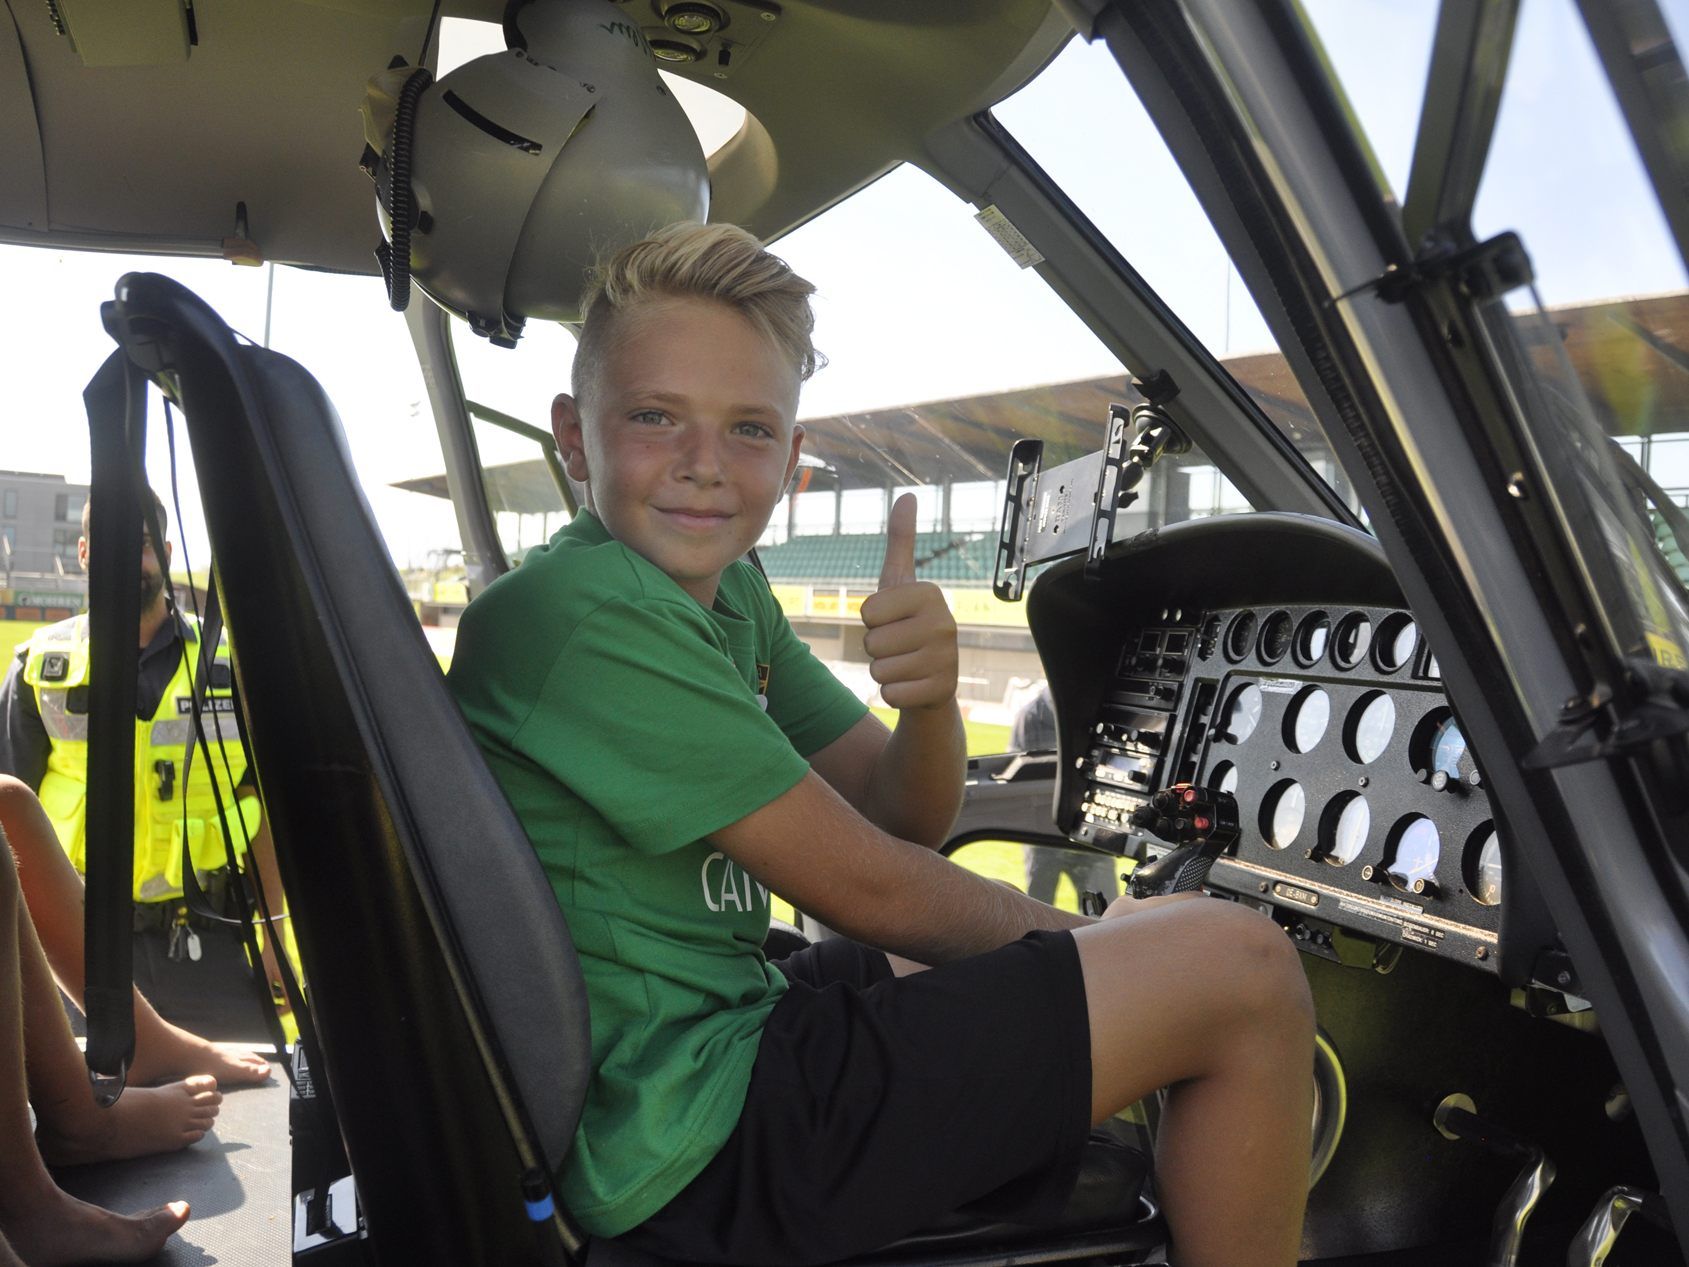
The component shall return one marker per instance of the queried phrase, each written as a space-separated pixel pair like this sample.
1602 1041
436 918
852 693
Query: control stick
1201 824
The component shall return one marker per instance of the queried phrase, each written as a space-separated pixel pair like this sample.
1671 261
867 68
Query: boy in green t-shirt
675 753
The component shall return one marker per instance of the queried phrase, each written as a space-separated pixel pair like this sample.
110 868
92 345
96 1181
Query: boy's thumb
899 567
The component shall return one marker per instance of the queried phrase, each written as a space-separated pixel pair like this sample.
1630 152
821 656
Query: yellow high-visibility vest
56 668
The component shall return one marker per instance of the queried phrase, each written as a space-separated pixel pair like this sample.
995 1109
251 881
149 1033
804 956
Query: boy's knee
1263 964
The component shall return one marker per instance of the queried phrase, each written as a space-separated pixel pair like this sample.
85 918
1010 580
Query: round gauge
1350 640
1223 777
1208 638
1448 746
1311 638
1343 829
1243 714
1240 636
1371 722
1282 812
1394 646
1275 638
1418 847
1482 866
1306 719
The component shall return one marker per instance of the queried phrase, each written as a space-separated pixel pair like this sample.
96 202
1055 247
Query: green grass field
13 632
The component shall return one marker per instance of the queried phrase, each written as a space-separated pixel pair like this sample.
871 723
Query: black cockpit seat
444 987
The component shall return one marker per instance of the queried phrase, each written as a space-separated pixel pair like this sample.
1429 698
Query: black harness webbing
117 408
210 633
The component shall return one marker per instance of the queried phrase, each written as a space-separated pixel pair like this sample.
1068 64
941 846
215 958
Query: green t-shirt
626 723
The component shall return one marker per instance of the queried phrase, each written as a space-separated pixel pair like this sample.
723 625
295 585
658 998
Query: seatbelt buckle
165 769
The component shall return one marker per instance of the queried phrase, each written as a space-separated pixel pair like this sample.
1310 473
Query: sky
915 302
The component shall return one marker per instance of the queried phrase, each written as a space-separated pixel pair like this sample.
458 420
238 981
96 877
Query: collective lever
1200 822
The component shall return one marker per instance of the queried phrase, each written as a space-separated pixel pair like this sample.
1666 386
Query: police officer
194 971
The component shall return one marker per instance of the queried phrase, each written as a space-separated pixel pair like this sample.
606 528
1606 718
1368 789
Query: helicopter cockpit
1356 586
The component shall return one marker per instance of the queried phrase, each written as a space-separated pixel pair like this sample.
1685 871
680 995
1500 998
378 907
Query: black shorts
879 1105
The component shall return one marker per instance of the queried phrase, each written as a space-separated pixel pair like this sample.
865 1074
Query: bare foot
61 1230
144 1120
171 1052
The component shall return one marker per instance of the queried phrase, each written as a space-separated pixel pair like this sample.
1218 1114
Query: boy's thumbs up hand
911 636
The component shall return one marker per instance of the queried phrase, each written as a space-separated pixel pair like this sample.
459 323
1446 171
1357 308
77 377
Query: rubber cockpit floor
237 1180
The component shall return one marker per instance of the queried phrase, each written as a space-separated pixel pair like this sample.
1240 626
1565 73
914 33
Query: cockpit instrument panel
1361 808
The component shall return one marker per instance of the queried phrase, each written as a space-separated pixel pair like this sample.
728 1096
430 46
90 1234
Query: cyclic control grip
1200 822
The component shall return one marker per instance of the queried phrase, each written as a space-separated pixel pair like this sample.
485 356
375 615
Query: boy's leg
1208 999
53 892
39 1223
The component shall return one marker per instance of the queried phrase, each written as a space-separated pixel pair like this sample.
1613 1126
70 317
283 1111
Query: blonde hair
720 262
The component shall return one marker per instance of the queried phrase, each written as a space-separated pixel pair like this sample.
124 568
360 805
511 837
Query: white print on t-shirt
727 886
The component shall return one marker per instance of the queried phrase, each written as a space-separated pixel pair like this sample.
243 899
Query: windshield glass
1135 194
1598 348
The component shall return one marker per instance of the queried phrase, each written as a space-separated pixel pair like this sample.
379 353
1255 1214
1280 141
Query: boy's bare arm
811 847
908 782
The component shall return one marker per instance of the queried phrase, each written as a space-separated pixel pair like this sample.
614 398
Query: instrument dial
1305 721
1372 722
1483 866
1243 714
1413 861
1398 638
1275 637
1312 635
1347 822
1448 749
1240 636
1282 812
1351 640
1439 752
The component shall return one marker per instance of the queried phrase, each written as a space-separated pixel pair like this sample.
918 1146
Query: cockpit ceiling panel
265 111
23 192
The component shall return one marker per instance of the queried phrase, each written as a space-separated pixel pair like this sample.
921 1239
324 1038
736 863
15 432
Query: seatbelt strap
116 402
193 896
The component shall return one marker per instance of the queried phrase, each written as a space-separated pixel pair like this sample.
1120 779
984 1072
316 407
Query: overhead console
1270 657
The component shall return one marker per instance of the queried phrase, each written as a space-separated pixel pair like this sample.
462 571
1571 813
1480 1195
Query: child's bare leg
1208 998
39 1223
53 892
72 1128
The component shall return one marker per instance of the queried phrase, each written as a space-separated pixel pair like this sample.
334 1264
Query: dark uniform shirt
24 746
